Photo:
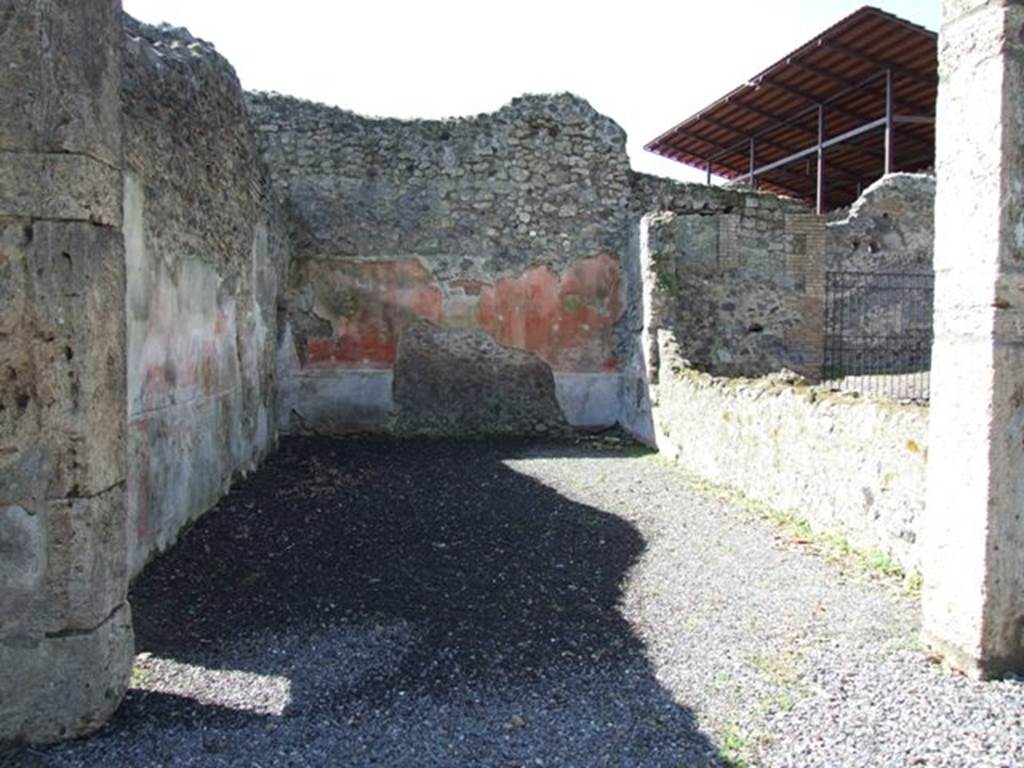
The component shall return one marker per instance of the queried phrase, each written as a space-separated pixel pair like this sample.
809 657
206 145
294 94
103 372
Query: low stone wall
205 253
845 463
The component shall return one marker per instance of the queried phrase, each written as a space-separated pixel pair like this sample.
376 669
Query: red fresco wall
565 318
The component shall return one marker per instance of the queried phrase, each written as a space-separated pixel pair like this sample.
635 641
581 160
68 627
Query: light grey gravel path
522 605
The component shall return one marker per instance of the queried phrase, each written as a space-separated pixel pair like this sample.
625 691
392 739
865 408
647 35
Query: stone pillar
65 627
974 526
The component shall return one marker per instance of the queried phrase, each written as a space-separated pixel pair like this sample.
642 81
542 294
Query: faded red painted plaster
566 319
369 304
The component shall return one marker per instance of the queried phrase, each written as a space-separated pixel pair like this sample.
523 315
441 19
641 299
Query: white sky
646 63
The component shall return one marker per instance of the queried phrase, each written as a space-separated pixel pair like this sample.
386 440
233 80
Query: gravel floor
375 603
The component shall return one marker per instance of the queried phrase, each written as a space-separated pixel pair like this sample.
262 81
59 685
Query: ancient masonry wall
66 641
846 464
890 228
510 227
205 255
886 238
739 278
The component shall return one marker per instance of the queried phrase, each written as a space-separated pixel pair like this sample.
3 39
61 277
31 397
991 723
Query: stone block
974 551
60 78
65 564
75 341
54 186
65 685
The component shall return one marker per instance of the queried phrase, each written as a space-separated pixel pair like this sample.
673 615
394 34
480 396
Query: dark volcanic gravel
433 603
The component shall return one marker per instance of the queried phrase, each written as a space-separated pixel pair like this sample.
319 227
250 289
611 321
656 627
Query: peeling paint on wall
567 319
189 426
366 305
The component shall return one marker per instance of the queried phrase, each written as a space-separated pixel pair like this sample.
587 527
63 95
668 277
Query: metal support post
820 192
888 121
751 178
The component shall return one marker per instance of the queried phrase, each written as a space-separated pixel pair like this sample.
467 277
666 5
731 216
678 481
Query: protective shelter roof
861 95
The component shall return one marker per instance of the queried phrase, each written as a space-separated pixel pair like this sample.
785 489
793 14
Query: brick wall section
739 278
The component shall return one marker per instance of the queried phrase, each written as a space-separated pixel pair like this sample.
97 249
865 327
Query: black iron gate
878 332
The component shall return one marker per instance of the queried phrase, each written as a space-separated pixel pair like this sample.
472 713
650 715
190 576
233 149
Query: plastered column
974 532
65 627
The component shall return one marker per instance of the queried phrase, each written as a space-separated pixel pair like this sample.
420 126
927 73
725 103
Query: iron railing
878 332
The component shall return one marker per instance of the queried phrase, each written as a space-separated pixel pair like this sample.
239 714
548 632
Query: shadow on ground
368 602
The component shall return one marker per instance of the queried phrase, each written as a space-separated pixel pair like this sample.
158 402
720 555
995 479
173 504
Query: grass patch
797 530
139 677
735 750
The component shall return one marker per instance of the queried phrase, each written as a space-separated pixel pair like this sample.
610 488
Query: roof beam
781 123
866 58
811 100
772 178
851 85
724 151
851 134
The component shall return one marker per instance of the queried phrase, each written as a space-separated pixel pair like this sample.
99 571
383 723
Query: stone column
65 627
974 526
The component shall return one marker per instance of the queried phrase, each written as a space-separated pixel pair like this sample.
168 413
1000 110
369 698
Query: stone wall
205 253
890 228
881 253
846 464
738 277
515 224
973 597
65 626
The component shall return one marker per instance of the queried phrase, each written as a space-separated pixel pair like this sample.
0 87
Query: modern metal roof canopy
825 121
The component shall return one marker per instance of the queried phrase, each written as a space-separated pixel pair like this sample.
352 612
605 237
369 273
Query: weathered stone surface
55 186
67 684
461 382
62 361
60 79
890 228
65 630
887 239
846 464
66 564
974 539
23 556
544 177
741 286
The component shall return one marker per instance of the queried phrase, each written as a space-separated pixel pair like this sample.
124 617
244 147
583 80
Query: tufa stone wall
66 642
739 278
973 596
515 224
890 228
205 253
844 463
433 362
